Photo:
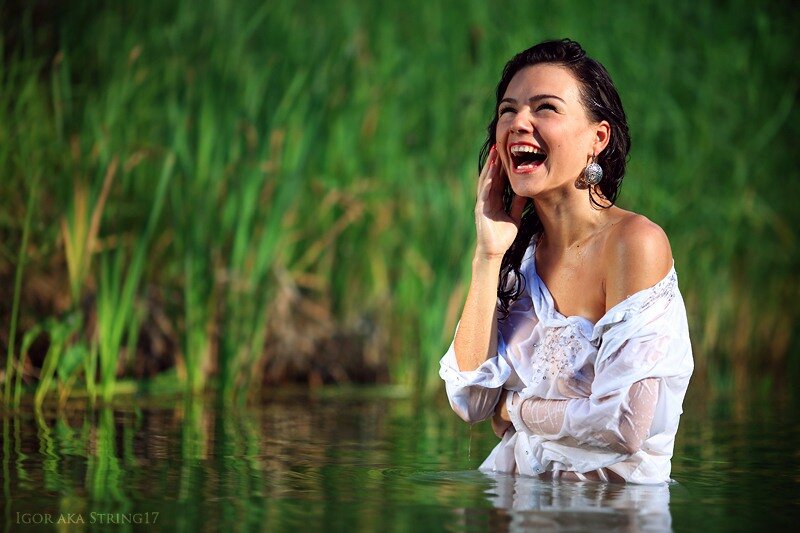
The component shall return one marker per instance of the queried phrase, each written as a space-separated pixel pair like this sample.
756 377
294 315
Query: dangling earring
593 172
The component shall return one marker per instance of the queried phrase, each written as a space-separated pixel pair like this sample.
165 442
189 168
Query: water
356 462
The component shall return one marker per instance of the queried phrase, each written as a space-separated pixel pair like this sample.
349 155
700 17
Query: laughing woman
573 337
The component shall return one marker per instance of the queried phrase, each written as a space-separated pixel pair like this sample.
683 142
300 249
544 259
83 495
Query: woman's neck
570 219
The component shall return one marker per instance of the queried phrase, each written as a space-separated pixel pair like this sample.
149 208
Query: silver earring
593 172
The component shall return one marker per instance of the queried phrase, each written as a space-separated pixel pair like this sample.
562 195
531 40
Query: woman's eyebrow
533 98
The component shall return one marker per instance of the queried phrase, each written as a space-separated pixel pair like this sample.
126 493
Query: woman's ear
602 136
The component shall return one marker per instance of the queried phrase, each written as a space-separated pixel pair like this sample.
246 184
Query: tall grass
12 334
119 283
329 149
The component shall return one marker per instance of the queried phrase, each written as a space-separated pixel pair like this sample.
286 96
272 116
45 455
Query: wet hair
601 102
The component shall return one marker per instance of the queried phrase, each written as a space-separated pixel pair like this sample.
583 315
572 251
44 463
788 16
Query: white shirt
544 354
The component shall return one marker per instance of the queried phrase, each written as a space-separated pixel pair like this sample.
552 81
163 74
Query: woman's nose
522 123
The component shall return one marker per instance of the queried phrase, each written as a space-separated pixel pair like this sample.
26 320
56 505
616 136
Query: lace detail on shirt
555 354
664 289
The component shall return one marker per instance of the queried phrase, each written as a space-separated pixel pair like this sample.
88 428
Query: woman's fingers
495 228
487 169
500 427
517 207
490 193
500 419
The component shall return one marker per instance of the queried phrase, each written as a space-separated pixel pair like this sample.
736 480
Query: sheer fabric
600 398
547 417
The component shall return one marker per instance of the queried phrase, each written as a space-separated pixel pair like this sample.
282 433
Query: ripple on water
360 466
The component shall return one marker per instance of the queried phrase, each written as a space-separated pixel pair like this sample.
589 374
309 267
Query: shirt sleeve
473 394
547 418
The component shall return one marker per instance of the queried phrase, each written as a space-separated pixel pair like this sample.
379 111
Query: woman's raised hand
496 229
476 336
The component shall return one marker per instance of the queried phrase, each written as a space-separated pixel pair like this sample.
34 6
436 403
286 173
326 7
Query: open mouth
526 157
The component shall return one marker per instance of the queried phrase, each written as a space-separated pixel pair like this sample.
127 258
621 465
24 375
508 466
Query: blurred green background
220 194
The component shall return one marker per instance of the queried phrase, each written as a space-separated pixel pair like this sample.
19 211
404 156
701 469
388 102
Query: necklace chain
577 243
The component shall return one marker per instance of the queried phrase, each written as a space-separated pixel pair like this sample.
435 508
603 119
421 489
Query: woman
573 335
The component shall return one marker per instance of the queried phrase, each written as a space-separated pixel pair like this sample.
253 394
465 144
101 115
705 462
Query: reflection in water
365 464
195 465
534 503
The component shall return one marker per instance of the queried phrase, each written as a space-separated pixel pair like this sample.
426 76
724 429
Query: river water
362 460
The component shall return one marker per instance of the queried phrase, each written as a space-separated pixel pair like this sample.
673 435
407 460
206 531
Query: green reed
12 334
117 290
328 152
59 358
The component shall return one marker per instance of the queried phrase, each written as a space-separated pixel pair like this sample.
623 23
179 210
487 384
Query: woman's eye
504 110
549 107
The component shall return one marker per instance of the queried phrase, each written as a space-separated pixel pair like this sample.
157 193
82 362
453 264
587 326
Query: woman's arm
546 417
476 338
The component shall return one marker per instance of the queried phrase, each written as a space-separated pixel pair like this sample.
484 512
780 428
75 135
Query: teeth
524 148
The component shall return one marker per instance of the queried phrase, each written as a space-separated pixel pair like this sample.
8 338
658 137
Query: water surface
367 462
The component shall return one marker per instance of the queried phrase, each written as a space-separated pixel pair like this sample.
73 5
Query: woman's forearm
496 229
544 417
634 417
476 338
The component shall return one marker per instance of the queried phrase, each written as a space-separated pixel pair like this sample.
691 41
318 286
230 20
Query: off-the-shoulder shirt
543 354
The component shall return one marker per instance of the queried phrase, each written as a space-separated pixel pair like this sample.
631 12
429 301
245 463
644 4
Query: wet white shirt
619 384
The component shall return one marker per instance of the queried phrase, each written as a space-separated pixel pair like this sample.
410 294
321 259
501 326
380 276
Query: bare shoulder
637 256
636 238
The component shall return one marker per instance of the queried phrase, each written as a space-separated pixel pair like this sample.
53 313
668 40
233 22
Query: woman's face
544 137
